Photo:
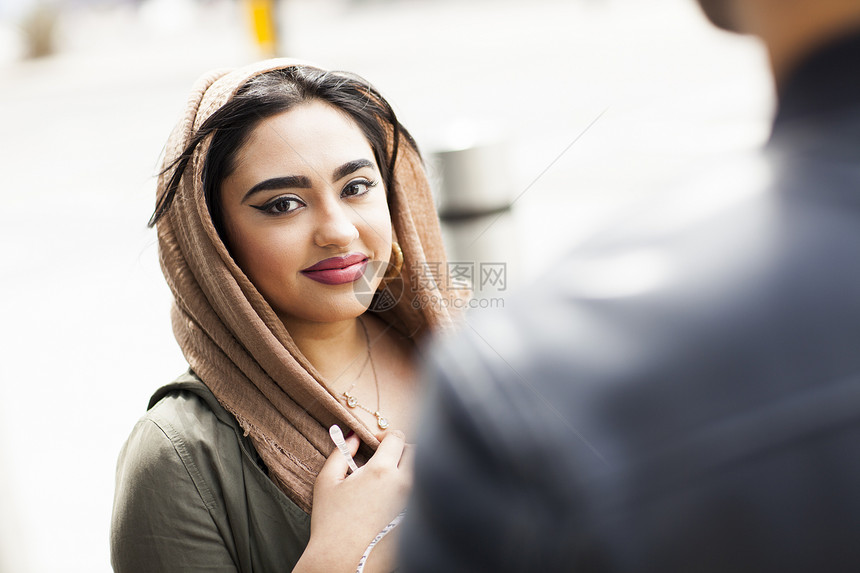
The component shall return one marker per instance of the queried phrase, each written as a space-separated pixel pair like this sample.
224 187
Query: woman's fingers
390 449
352 443
336 466
392 452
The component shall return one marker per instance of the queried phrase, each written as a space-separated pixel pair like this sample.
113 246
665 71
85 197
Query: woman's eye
280 206
357 187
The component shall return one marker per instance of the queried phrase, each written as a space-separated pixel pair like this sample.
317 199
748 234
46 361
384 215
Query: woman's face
305 212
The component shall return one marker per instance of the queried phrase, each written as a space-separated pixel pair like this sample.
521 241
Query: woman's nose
335 226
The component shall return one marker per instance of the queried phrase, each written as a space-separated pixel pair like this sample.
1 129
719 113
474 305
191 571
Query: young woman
297 232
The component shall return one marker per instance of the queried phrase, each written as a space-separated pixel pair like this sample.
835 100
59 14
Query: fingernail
349 433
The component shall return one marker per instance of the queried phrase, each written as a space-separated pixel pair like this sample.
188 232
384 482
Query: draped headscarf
231 336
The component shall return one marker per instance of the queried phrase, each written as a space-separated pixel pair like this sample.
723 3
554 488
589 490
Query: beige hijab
233 339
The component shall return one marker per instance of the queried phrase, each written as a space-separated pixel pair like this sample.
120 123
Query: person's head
790 29
721 13
297 172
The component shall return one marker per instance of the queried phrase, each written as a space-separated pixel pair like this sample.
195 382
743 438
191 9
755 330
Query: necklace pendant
381 421
350 400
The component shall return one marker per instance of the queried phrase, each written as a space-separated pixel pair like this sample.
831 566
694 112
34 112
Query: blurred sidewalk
84 306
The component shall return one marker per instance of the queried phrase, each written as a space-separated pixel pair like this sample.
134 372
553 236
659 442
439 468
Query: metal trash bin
474 192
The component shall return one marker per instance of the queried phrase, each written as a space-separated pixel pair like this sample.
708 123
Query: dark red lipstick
338 270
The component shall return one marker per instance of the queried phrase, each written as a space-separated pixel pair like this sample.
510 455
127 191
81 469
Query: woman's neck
336 349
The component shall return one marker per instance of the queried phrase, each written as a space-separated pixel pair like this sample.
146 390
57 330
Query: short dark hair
269 94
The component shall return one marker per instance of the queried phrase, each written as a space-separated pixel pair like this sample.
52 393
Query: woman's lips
338 270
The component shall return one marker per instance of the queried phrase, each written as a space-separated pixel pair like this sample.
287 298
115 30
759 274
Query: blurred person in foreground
683 393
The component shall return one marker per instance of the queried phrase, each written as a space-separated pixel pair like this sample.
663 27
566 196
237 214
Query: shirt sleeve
162 520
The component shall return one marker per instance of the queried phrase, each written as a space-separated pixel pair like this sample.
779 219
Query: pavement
601 104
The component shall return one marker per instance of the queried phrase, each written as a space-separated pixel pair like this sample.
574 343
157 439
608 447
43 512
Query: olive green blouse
192 494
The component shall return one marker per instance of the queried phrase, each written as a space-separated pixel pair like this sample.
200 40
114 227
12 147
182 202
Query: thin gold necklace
352 401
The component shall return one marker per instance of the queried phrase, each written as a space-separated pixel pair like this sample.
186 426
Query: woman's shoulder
183 423
180 410
187 441
176 425
174 482
188 492
186 394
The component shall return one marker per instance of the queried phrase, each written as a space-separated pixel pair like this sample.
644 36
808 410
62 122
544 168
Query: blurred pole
262 14
474 195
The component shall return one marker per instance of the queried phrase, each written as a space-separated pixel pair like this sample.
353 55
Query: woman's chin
342 309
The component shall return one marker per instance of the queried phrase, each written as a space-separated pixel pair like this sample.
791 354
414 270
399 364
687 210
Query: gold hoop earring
395 264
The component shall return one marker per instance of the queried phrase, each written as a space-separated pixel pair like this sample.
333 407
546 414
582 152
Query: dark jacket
192 495
682 394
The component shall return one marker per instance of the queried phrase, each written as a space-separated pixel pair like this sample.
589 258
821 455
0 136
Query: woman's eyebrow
350 167
287 182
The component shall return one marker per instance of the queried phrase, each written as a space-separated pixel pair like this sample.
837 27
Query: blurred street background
594 108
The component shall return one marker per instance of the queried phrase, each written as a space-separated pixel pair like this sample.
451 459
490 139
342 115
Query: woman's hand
349 511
